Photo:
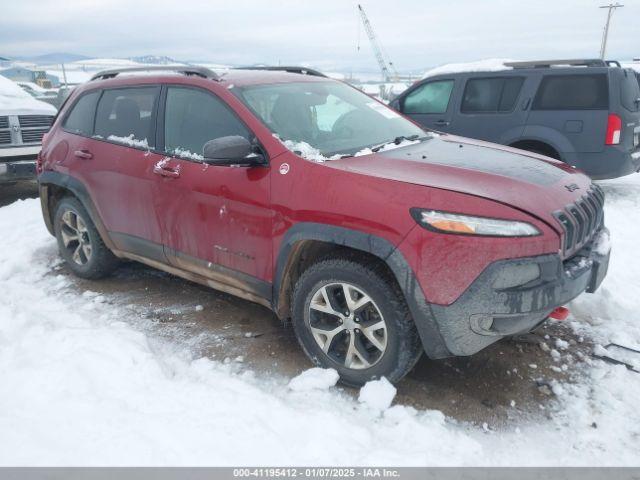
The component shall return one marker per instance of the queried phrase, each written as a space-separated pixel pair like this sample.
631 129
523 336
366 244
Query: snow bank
79 385
15 101
377 394
314 379
487 65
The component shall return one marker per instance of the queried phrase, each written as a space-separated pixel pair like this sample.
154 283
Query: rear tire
369 330
79 242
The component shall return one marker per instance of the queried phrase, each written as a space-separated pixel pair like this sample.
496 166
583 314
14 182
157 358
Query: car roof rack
184 69
290 69
589 62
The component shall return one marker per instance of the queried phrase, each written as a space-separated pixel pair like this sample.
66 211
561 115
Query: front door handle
442 123
86 154
165 171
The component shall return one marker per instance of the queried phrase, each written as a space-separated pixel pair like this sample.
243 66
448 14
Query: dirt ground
507 381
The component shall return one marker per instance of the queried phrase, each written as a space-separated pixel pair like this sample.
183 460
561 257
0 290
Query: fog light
482 324
485 323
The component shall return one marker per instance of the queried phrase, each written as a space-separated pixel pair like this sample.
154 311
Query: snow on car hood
15 101
527 181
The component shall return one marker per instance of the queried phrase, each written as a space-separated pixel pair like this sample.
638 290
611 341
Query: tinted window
126 115
80 118
629 91
573 92
491 94
192 118
432 97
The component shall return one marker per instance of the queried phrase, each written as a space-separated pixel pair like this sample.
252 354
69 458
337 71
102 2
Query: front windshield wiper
396 141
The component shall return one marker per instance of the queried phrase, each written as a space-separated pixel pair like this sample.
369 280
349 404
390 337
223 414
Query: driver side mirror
231 150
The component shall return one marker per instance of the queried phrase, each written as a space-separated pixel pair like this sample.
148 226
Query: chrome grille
4 122
35 121
5 137
33 135
581 220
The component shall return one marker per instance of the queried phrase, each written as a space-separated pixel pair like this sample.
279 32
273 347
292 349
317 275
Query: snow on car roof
15 101
486 65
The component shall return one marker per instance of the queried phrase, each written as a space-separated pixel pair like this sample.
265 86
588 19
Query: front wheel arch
338 241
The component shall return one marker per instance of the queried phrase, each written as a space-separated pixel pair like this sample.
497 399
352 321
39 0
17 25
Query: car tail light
614 128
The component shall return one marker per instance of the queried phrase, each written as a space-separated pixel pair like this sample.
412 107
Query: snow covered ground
79 385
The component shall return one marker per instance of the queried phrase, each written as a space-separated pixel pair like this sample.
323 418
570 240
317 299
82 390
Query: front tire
79 242
353 318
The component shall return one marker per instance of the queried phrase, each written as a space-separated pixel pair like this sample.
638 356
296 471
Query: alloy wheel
347 325
75 237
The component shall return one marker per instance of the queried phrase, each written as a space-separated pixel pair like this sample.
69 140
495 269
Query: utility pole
64 75
611 7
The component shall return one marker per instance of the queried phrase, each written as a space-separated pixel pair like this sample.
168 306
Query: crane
386 66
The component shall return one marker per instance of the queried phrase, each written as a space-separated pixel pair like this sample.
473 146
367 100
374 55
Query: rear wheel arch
537 146
54 187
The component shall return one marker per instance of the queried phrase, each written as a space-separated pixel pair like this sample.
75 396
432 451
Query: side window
192 118
573 92
80 118
432 97
125 115
491 95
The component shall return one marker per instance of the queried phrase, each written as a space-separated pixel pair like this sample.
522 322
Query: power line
611 7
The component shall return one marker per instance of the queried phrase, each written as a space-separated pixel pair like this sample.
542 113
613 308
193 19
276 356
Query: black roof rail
613 63
290 69
184 69
589 62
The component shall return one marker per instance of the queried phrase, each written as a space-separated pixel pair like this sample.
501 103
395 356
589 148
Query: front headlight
465 224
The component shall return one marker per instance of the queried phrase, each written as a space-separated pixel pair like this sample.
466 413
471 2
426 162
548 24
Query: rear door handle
442 123
166 171
86 154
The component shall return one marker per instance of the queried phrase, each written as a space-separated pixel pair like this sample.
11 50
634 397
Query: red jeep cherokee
378 240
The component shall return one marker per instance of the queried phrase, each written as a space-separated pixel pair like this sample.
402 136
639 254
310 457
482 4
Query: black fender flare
77 188
420 309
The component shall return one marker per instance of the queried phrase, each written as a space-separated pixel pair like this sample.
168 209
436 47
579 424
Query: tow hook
559 313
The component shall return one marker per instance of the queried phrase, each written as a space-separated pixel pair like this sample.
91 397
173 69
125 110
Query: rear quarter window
80 118
573 92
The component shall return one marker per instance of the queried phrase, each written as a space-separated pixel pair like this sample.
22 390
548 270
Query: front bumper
504 300
18 170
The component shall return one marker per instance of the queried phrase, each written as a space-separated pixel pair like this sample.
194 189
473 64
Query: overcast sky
322 33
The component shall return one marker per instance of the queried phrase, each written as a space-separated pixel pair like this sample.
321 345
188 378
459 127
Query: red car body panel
237 217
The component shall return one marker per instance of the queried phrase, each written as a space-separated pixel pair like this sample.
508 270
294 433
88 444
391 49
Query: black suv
583 112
